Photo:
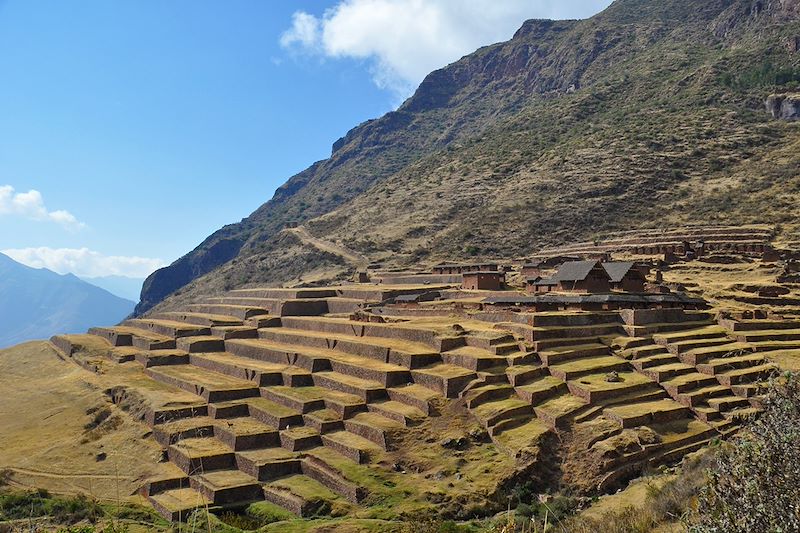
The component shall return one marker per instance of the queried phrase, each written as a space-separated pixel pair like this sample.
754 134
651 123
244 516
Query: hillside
651 112
122 286
38 303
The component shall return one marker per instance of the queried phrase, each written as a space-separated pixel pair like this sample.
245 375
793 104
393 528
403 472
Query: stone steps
285 294
475 359
367 390
226 487
276 306
571 319
657 359
770 335
324 420
715 366
299 494
680 347
709 332
759 325
668 371
200 344
162 415
138 338
342 326
698 356
522 374
300 438
397 352
581 331
407 415
659 411
564 354
266 411
261 373
199 319
417 396
177 504
352 446
162 358
487 393
168 477
307 399
448 380
167 328
590 365
643 352
318 467
245 433
542 389
746 375
241 312
493 412
321 359
268 463
235 332
211 386
665 327
375 428
185 428
200 455
558 411
686 383
597 390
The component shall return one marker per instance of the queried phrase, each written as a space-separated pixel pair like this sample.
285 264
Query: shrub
754 486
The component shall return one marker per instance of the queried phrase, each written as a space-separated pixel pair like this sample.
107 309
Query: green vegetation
75 513
753 485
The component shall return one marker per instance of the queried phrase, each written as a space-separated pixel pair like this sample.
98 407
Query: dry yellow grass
44 439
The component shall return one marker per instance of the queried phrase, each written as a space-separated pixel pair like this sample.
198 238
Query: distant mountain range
122 286
38 303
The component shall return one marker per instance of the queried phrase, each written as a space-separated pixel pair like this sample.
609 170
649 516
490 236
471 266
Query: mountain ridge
559 126
38 303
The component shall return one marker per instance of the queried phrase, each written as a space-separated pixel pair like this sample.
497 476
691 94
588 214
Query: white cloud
84 262
404 40
31 205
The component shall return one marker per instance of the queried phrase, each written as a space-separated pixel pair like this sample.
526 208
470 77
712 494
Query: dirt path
349 255
55 475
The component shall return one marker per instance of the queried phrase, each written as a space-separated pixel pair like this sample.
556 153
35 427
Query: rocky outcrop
784 106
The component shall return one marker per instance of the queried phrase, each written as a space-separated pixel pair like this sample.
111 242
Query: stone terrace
735 239
298 392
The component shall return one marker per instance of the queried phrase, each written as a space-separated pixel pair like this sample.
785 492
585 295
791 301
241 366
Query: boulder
784 106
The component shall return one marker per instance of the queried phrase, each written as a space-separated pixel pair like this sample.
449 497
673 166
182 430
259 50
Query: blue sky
143 126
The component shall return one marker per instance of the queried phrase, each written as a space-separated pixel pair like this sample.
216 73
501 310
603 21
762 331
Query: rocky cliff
651 112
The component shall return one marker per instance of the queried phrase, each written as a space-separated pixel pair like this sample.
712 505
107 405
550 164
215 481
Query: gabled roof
575 270
617 270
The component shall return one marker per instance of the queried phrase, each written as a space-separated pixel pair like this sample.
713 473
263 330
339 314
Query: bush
754 486
33 504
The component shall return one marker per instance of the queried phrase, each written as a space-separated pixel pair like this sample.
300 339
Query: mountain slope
38 303
122 286
651 112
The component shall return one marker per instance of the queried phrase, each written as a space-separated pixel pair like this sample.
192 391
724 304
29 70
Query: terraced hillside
335 400
650 113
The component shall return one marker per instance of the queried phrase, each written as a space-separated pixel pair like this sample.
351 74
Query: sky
134 129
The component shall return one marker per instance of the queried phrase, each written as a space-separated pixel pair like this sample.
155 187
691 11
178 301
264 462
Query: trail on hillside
56 475
349 255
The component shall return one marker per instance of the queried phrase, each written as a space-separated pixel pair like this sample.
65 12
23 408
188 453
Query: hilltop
651 112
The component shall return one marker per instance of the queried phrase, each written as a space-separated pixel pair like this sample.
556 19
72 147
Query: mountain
38 303
122 286
649 113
